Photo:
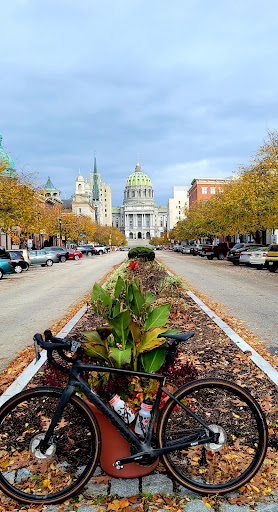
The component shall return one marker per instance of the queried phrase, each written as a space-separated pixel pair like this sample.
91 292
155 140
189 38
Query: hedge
142 253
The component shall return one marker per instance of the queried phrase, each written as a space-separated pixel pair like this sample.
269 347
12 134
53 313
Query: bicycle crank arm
137 457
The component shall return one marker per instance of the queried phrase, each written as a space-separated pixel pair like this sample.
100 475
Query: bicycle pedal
118 465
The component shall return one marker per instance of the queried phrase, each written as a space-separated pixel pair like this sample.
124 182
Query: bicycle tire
29 476
242 443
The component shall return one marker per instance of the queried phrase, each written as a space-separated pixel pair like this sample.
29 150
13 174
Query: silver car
254 256
43 258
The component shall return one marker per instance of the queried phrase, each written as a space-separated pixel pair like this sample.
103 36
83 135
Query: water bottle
143 418
121 408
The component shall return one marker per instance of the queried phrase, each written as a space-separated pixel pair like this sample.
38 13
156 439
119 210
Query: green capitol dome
6 162
138 177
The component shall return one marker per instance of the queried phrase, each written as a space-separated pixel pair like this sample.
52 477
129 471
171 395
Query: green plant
130 339
143 253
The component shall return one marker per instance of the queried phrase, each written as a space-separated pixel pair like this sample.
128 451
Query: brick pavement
158 483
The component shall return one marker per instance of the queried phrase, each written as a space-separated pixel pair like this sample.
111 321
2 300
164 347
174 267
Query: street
32 301
245 293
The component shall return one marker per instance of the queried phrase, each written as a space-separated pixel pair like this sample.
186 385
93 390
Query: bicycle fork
49 438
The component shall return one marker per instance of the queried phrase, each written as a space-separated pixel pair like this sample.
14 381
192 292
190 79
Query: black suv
86 249
234 254
61 252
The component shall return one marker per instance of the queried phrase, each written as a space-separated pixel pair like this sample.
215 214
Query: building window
220 190
204 190
133 193
212 190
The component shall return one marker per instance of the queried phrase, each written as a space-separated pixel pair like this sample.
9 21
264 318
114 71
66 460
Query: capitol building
139 218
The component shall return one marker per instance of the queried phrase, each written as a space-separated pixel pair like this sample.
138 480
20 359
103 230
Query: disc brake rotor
36 452
222 439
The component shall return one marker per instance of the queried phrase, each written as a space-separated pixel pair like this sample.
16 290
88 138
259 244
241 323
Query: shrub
142 253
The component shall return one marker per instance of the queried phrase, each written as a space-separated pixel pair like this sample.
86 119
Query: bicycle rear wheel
31 476
233 413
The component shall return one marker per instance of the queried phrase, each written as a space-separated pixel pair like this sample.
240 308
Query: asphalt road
244 292
32 301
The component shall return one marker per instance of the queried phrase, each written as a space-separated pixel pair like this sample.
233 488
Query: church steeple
95 190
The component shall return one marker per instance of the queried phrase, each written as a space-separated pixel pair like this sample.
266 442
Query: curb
256 358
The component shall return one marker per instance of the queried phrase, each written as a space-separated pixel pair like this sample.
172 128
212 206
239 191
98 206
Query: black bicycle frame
144 446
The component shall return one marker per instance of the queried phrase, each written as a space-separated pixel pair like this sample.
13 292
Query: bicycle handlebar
53 343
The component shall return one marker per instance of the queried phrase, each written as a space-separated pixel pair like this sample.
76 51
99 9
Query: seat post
171 352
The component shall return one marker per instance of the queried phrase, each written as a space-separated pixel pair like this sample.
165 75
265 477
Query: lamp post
60 226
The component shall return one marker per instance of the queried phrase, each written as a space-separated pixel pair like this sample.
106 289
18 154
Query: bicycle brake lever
38 356
75 345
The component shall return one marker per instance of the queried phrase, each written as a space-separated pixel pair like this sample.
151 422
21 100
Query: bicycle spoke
240 447
33 471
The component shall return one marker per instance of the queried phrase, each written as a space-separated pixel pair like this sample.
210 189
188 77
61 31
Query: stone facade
93 198
139 218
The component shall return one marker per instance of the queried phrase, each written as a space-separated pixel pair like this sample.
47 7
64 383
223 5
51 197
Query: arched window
133 193
131 236
148 235
79 186
139 235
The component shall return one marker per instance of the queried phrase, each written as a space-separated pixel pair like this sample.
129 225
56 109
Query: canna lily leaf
149 340
154 359
120 323
99 294
120 286
137 302
149 298
93 338
104 332
96 352
119 357
157 317
135 332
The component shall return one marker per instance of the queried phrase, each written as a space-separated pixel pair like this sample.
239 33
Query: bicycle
211 434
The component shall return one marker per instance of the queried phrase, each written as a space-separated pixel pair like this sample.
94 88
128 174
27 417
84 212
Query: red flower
134 265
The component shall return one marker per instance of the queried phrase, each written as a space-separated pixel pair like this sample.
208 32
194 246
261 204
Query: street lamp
60 226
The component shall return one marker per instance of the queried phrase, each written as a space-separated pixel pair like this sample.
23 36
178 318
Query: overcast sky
188 85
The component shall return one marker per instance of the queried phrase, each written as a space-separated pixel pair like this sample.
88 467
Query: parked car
6 267
18 262
124 248
218 251
24 253
43 258
271 261
61 251
186 249
234 254
195 249
74 254
255 256
86 249
100 249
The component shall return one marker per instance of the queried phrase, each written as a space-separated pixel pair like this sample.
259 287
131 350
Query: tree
18 199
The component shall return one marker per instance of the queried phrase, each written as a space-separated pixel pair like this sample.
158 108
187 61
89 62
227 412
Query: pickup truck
218 251
100 249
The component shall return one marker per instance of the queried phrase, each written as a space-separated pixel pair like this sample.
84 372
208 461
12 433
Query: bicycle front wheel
34 476
228 410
